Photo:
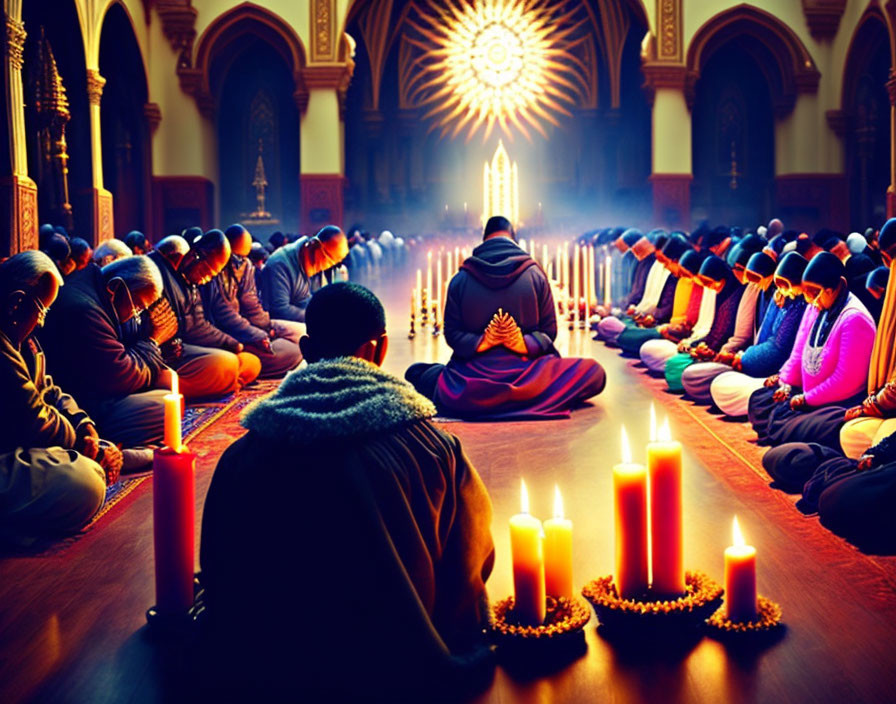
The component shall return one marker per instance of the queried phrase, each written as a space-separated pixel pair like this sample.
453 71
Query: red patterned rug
209 429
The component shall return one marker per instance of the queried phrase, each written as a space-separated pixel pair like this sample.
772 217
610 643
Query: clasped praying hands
503 331
163 321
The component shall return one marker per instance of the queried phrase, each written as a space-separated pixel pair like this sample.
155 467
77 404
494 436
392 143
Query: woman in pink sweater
829 362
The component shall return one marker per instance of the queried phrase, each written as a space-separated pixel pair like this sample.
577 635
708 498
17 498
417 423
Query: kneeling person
407 548
500 322
53 466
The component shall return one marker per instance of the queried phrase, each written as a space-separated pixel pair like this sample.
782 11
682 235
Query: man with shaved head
296 270
209 361
232 304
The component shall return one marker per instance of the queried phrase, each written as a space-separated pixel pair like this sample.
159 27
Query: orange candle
630 504
558 551
527 552
666 525
740 578
172 401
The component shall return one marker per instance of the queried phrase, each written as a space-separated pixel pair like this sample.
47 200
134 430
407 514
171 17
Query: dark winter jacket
90 354
37 413
193 326
344 521
232 305
285 287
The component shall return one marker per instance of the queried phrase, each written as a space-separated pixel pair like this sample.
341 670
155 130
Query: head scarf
762 264
676 247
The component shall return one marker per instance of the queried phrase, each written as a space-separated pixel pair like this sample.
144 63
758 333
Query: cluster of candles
174 511
649 540
426 300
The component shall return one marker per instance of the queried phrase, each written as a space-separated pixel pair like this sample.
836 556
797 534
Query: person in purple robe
501 323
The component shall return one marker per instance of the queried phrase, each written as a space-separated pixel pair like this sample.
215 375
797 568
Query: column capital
95 83
15 41
328 75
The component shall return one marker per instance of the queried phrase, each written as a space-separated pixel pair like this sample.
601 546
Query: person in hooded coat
731 390
829 362
501 323
382 504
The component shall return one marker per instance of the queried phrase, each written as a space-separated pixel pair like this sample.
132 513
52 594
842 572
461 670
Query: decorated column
100 200
18 193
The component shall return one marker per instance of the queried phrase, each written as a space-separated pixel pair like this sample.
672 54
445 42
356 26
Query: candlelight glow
626 448
739 541
524 497
175 383
665 434
652 422
558 503
496 62
500 190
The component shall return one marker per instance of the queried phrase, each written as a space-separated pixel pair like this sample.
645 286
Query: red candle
173 512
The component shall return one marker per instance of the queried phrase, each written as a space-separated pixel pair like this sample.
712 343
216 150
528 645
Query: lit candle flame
175 385
652 422
738 536
626 448
524 497
558 503
665 434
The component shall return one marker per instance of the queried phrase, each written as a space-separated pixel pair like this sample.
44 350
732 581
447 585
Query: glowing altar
500 187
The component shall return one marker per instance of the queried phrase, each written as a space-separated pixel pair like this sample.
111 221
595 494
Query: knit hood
336 398
497 263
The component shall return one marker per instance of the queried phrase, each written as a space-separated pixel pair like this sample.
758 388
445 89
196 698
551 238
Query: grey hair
113 248
138 272
23 271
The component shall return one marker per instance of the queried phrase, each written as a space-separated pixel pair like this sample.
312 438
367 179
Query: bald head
208 255
240 240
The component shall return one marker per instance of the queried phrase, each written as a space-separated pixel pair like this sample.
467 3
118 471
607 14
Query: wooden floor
73 630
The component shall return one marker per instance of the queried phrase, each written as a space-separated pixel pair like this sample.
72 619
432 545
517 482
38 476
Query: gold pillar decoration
51 105
323 30
18 193
95 83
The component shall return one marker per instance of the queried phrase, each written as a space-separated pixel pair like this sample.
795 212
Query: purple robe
498 384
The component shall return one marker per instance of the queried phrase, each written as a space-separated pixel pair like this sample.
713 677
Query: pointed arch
779 52
244 19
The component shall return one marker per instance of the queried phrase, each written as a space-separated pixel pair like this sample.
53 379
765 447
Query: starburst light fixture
496 62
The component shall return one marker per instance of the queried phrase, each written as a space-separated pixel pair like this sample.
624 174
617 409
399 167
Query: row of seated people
790 332
86 359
